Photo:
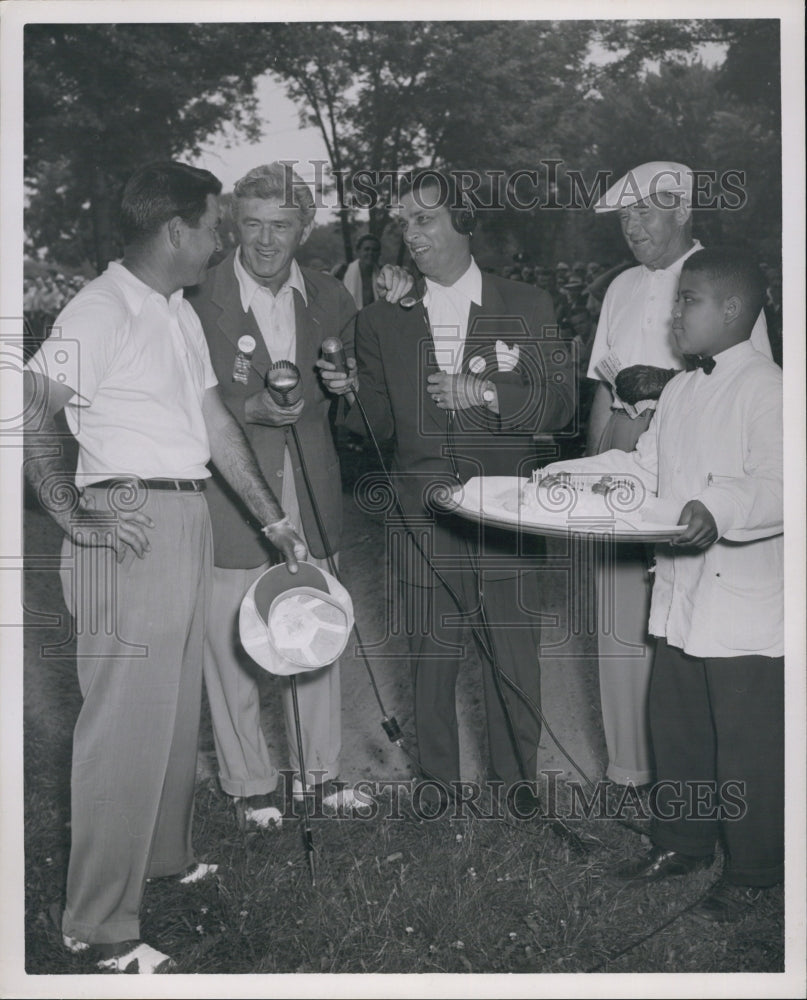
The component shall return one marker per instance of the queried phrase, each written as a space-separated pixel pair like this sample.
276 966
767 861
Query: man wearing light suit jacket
462 380
257 307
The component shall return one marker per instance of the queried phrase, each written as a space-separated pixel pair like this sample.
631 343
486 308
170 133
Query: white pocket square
506 357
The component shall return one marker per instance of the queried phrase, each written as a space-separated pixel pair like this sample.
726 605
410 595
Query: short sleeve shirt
139 366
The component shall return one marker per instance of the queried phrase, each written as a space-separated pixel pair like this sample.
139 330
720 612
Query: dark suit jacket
330 312
395 355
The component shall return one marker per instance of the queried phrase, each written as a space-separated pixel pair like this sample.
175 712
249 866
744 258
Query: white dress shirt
274 314
139 366
277 323
716 438
636 321
449 307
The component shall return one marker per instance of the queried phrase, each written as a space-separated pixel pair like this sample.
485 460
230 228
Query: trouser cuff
252 786
110 932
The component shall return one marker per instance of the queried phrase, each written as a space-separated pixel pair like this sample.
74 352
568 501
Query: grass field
395 893
404 895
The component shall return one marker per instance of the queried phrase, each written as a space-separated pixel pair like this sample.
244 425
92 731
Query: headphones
464 219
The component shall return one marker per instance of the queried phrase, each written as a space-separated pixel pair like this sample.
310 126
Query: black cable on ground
615 955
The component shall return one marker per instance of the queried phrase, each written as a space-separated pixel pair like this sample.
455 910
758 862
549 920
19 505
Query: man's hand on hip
116 530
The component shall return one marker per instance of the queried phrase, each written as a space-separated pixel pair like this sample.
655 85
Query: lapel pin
246 348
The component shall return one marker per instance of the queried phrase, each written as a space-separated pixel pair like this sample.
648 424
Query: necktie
705 362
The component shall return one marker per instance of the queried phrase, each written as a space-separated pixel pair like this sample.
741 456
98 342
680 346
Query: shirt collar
676 267
726 360
248 287
469 285
136 291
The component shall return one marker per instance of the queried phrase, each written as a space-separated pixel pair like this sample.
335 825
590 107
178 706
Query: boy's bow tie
706 362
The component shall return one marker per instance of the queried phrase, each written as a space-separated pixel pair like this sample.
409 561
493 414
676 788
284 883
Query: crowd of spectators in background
43 299
577 291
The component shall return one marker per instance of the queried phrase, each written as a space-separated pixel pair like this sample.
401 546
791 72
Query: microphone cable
283 380
480 636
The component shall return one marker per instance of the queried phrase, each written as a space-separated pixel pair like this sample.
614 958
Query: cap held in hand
294 622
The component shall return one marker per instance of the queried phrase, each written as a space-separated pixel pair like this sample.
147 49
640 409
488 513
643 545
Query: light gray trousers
625 650
140 631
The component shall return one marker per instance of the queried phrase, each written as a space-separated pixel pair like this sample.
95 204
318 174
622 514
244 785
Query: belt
176 485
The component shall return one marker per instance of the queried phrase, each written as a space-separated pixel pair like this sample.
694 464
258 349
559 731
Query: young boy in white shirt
716 703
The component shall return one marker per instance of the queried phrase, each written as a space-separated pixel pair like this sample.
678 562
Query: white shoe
343 801
197 873
264 818
257 810
340 800
73 944
141 959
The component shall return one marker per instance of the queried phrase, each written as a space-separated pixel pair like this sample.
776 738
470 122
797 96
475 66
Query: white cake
581 495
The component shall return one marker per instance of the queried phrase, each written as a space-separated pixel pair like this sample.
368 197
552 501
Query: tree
102 99
391 97
481 96
365 87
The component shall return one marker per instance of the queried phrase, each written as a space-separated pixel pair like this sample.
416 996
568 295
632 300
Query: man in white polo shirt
128 363
654 202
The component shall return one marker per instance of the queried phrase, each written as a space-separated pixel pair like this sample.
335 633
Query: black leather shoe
726 903
657 864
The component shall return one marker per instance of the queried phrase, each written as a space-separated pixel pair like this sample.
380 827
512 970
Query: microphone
283 383
333 350
410 301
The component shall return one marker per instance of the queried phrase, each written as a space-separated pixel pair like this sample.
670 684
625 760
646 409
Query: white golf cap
655 180
294 622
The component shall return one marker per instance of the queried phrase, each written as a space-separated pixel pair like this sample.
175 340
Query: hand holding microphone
337 371
281 402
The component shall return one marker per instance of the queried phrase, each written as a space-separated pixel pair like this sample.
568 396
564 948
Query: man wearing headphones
461 376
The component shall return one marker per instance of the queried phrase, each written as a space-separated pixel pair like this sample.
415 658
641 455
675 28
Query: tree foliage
507 96
102 99
485 96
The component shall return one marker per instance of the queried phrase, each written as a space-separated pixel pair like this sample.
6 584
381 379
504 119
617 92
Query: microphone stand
282 383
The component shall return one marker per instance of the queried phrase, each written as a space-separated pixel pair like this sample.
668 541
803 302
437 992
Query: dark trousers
720 721
438 642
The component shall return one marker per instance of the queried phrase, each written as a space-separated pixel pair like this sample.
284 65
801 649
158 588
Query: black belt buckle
173 485
181 485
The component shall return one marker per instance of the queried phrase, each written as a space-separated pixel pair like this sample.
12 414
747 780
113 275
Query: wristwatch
488 393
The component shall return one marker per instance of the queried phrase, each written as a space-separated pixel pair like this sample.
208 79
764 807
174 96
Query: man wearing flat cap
654 202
